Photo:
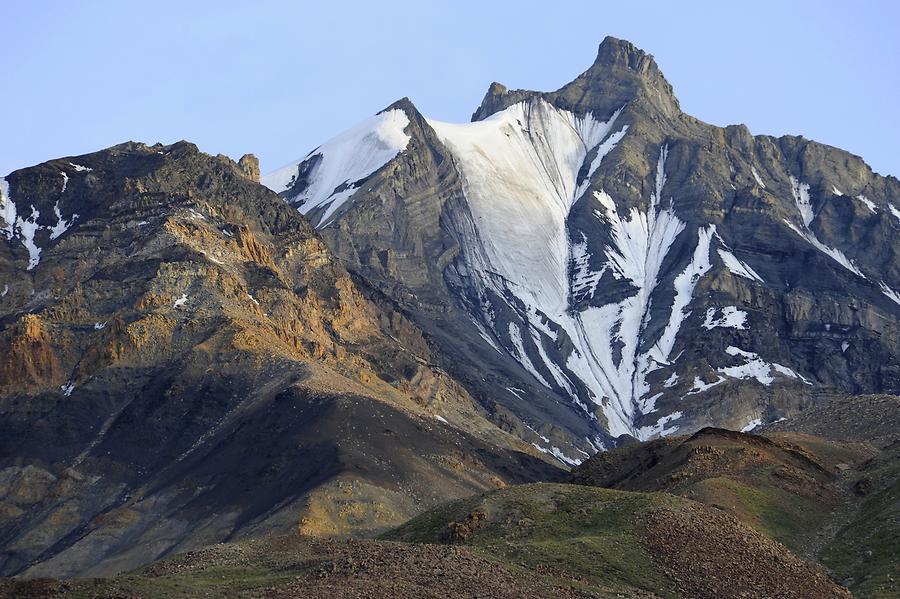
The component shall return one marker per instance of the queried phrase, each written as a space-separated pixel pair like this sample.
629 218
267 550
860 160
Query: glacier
520 171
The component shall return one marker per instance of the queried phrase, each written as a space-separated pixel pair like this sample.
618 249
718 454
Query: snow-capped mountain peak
330 174
572 250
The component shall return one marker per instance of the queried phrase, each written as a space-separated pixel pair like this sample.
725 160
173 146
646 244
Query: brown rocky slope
185 362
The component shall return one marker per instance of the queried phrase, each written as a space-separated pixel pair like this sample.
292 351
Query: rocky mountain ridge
614 260
187 362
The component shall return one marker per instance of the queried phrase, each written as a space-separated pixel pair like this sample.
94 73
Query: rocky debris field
709 555
287 567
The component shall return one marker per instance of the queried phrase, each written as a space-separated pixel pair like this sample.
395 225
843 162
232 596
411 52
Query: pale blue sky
278 78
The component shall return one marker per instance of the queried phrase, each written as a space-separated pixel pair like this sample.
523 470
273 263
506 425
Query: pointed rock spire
621 74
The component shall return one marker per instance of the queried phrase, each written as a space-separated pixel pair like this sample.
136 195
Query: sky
279 78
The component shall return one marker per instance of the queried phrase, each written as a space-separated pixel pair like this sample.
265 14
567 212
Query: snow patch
756 368
700 386
7 209
894 211
342 162
836 191
684 291
752 425
79 168
482 332
868 203
61 225
27 230
738 267
534 430
68 388
659 429
517 393
801 198
647 405
558 454
731 318
890 293
99 325
181 300
759 181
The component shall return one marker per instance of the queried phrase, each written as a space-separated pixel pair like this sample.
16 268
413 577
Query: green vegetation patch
865 555
779 514
569 533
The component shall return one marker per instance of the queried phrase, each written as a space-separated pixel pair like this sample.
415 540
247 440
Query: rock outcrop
250 165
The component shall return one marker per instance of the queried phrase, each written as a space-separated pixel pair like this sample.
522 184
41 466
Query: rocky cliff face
597 265
184 361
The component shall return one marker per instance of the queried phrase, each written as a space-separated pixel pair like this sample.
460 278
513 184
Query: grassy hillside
865 551
537 540
620 542
778 486
827 486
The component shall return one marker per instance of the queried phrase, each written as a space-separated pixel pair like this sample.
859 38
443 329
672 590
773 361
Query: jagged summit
621 74
617 52
495 99
404 104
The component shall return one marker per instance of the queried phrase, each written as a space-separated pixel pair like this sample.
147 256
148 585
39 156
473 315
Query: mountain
427 311
597 266
183 361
